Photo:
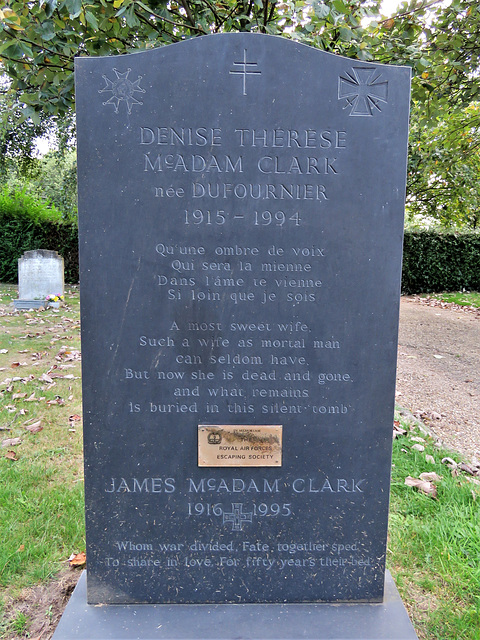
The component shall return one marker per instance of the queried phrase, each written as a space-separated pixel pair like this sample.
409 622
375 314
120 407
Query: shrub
434 262
26 224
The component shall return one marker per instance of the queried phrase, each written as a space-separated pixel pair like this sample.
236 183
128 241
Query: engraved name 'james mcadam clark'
241 215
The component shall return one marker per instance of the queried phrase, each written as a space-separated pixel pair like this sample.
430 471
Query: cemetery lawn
434 537
462 298
41 472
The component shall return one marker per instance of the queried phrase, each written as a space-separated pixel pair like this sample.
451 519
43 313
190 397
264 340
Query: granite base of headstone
40 273
386 620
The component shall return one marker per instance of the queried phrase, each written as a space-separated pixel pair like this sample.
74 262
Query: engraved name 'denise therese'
183 138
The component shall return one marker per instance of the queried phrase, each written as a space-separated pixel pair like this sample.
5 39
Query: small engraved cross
237 517
246 69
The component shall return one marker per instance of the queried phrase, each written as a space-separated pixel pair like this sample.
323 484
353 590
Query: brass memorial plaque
242 445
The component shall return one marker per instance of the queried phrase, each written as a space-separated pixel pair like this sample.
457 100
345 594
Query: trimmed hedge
18 236
434 262
26 225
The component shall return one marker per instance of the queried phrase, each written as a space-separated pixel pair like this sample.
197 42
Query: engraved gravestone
40 273
241 216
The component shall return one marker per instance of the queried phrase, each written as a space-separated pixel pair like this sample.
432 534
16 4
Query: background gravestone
40 273
241 218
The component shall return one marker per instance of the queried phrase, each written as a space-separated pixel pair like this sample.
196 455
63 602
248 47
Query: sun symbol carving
123 90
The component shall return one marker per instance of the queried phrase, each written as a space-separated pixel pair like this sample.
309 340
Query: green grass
464 299
434 544
41 489
19 624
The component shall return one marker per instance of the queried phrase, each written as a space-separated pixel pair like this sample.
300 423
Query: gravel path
438 371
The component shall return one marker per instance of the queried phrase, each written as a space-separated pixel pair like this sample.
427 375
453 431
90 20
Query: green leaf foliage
39 40
444 170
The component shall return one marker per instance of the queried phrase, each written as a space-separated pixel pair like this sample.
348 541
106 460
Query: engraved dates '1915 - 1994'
257 218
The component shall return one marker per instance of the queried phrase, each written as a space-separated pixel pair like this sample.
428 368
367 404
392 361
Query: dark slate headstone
241 216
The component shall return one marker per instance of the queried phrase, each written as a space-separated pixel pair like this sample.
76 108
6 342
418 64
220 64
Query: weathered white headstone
40 273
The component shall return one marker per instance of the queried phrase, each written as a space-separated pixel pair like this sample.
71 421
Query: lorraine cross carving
246 69
363 90
123 90
237 517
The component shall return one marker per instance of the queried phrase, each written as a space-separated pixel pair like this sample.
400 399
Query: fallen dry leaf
72 420
11 442
430 459
57 400
467 469
397 429
11 455
428 488
35 427
449 462
418 447
78 560
430 476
